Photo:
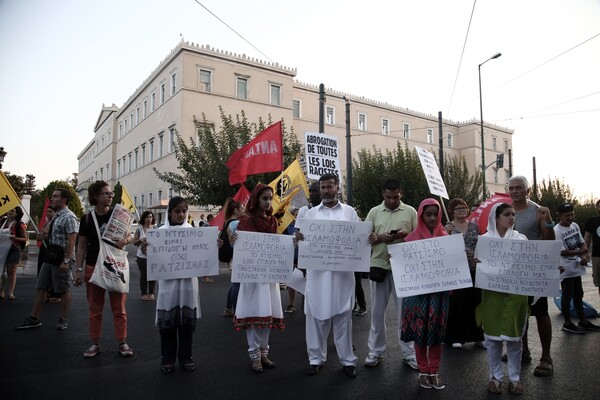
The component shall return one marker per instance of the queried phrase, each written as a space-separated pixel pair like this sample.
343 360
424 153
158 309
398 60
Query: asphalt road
44 363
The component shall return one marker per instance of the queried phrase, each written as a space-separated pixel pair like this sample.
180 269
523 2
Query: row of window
147 106
242 86
145 153
142 205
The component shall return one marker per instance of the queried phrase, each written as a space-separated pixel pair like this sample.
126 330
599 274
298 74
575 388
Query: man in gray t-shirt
535 222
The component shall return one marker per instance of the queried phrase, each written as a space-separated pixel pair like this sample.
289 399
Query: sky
61 60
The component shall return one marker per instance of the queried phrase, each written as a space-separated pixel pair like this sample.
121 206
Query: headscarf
185 221
422 230
250 221
491 226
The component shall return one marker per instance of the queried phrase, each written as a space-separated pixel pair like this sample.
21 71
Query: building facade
193 80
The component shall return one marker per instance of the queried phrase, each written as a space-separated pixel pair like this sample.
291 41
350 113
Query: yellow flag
8 197
290 179
127 202
280 210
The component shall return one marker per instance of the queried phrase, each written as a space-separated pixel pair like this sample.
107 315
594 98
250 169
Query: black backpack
226 251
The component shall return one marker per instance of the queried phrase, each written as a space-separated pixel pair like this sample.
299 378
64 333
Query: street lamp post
481 122
2 155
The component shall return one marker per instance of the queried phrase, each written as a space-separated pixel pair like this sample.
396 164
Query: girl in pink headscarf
425 316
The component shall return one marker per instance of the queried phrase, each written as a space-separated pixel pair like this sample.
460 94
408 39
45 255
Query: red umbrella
480 216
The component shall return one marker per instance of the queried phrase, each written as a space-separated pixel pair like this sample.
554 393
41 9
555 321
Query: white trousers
258 339
380 295
317 332
513 352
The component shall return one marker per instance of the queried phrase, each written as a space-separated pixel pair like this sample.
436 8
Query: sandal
544 368
494 386
516 388
267 363
189 366
166 369
257 366
11 297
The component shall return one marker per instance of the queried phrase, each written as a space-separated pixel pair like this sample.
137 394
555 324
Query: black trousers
572 288
169 350
359 293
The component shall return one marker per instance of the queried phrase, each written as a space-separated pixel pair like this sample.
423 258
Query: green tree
39 199
459 182
202 176
17 182
29 184
553 193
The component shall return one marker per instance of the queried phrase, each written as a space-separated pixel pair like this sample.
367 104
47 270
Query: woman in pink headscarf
258 308
425 316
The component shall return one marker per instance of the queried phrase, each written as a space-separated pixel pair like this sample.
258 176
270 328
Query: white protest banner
176 253
430 265
334 245
262 257
526 267
432 173
322 155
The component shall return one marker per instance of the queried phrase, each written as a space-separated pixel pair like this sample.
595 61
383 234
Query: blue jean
232 295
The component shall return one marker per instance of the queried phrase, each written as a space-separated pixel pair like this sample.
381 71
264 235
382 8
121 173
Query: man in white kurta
330 294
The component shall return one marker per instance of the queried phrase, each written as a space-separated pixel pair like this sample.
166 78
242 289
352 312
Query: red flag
242 195
43 219
264 153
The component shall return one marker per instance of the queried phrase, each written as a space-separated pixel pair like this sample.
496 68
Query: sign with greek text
262 257
527 267
432 173
430 265
322 155
334 245
176 253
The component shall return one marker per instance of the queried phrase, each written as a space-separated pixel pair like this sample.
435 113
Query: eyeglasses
109 194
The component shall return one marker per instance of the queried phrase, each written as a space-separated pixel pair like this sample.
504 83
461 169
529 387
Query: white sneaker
372 360
457 345
411 362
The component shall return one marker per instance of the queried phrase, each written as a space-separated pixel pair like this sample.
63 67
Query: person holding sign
100 195
503 315
177 304
329 295
139 240
258 308
392 221
425 316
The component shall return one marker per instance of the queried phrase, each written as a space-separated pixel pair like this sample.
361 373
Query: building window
101 173
124 166
130 162
362 122
163 91
137 116
170 193
205 80
144 154
136 159
161 141
450 139
107 173
145 109
506 146
406 131
296 108
118 168
135 201
120 129
330 116
495 175
131 120
173 81
171 139
275 94
126 126
142 202
506 176
159 196
242 87
150 201
151 152
494 143
429 135
385 126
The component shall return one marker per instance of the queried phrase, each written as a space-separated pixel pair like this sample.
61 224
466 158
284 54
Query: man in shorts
535 222
56 272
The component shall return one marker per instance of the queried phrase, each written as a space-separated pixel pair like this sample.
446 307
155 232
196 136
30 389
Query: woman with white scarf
503 315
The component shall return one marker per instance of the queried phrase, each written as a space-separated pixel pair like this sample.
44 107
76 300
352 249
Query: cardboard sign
526 267
176 253
262 257
322 155
430 265
432 173
334 245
